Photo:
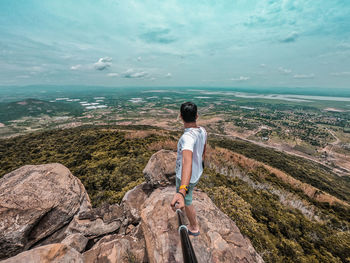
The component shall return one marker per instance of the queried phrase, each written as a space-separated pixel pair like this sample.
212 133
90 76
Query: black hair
188 111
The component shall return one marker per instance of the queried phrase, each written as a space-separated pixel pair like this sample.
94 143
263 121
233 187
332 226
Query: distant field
34 108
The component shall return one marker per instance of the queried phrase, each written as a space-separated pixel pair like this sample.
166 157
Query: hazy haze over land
175 43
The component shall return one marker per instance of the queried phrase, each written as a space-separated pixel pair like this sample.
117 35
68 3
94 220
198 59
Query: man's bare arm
186 168
185 179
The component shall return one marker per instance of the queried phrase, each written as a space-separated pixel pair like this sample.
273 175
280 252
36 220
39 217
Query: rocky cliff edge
46 216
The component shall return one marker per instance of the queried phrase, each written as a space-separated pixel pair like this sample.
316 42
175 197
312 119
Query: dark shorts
188 197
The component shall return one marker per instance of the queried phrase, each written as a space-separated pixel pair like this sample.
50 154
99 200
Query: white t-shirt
192 139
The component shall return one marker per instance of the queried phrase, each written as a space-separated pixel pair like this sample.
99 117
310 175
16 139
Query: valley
310 126
292 209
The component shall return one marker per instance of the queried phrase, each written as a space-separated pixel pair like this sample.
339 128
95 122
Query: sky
233 43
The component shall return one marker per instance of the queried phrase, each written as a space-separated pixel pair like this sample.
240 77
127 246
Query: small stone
76 241
129 229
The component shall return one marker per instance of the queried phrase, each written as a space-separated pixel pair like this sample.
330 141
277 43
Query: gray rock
220 239
58 253
76 241
97 221
160 169
36 201
117 249
132 202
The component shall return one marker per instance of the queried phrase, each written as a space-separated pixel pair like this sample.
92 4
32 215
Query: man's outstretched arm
185 179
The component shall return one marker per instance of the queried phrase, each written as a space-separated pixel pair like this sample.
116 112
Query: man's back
193 139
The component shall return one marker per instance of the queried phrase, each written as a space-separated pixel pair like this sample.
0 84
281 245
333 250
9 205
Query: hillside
283 222
300 168
34 107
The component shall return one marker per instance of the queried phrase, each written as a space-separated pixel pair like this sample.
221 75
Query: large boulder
35 201
160 169
58 253
133 200
220 239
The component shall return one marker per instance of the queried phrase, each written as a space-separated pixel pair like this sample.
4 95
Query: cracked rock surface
220 239
35 201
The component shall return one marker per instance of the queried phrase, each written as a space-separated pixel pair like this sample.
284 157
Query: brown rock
56 237
76 241
117 248
129 229
108 213
160 169
220 239
35 201
132 202
97 221
58 253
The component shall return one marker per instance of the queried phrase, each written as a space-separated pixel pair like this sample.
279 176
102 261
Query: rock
76 241
160 169
108 213
56 237
35 201
97 221
58 253
220 239
132 202
117 248
129 229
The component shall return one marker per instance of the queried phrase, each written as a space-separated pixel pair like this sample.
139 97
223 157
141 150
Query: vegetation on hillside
106 161
300 168
109 161
278 233
34 107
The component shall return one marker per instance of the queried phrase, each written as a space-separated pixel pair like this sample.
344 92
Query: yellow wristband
184 187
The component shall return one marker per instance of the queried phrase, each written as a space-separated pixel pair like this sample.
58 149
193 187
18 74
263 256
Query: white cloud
132 74
344 45
23 77
103 63
304 76
339 74
241 78
75 67
37 68
284 70
112 74
292 37
169 75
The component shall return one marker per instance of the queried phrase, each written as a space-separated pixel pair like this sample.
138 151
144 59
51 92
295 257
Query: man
189 163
